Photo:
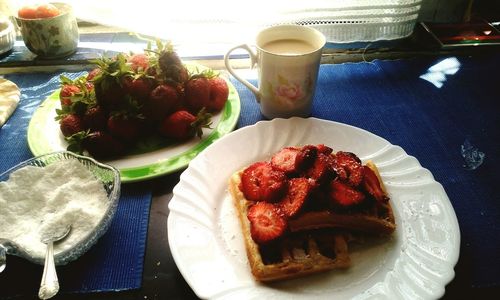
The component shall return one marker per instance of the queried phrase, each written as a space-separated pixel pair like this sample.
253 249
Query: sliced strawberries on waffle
297 181
260 182
348 167
298 191
266 222
344 195
299 209
372 185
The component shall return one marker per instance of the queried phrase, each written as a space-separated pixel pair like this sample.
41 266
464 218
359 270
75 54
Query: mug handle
253 61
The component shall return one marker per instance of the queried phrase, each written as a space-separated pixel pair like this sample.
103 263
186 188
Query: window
203 24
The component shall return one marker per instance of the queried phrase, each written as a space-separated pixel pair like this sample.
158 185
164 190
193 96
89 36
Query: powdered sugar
61 193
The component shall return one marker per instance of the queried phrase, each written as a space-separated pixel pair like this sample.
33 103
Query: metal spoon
50 284
3 257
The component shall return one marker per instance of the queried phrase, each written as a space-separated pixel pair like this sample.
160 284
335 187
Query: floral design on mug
287 92
42 43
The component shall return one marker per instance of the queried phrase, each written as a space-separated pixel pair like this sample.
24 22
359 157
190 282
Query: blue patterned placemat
431 107
116 262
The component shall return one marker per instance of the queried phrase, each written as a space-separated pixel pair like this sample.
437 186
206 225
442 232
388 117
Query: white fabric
9 98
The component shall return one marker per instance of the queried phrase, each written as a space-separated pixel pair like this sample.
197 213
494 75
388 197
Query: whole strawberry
219 92
109 93
107 83
95 118
71 124
182 125
93 73
67 92
176 73
171 65
162 101
75 90
138 62
197 93
127 129
168 57
101 144
139 87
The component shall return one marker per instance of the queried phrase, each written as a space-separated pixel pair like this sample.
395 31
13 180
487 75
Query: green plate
44 136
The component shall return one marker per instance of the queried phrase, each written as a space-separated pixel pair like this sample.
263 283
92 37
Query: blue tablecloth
116 261
430 107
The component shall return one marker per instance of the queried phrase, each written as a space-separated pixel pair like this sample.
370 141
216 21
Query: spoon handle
50 284
3 257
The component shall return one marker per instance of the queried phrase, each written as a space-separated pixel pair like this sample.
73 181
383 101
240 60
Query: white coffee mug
287 59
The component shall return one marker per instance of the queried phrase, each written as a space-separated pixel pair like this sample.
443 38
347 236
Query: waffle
297 254
314 240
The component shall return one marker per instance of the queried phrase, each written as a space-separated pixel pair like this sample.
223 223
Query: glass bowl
110 179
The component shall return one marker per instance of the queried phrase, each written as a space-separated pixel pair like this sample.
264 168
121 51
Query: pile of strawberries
129 98
308 178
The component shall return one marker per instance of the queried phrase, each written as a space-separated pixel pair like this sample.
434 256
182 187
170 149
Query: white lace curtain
229 21
356 20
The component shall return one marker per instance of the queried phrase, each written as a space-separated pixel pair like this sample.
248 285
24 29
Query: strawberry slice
372 185
260 182
273 185
324 149
321 168
266 222
344 195
305 157
348 167
284 160
298 191
250 181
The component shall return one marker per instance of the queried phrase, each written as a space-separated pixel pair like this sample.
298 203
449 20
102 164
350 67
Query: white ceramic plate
207 245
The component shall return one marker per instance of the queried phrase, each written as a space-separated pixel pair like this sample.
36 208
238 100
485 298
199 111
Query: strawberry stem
203 120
